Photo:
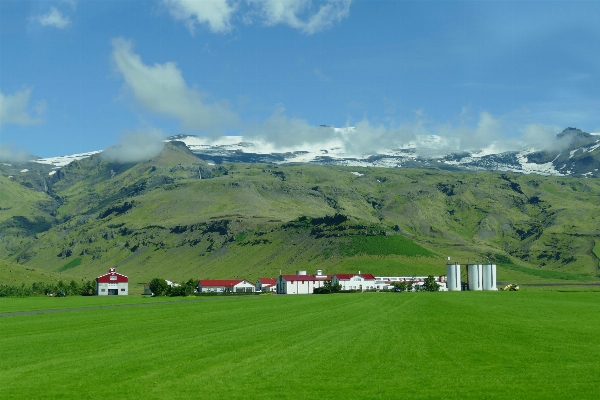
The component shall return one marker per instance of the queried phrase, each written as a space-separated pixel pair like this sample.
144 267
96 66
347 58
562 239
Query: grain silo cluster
479 277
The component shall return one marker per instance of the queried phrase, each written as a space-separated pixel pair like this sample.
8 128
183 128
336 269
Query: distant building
266 285
355 281
112 284
225 285
301 283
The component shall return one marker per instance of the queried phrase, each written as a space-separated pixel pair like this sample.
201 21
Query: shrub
159 287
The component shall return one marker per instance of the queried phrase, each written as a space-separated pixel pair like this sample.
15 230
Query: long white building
301 282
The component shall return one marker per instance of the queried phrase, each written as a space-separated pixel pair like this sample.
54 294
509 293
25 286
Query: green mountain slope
178 217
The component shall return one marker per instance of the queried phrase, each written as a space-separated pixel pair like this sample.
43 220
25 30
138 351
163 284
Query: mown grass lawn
371 345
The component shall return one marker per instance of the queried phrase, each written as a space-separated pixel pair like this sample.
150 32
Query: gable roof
268 281
312 278
220 282
112 277
345 277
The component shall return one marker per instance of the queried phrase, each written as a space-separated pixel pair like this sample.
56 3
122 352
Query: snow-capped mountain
580 154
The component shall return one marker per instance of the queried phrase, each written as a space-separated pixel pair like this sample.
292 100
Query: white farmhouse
355 281
301 283
225 285
266 285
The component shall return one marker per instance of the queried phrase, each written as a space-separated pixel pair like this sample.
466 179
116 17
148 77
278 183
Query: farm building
225 285
356 281
112 284
416 281
301 283
266 285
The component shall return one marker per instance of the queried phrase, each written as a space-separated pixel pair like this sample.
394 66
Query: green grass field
370 345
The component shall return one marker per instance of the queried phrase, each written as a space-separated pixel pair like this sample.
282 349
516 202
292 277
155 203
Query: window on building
103 290
122 289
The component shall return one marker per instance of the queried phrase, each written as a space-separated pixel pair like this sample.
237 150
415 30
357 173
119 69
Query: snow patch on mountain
61 161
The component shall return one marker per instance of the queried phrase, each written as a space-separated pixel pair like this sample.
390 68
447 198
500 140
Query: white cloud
54 18
215 13
10 155
161 89
543 137
288 134
301 14
13 109
283 132
135 147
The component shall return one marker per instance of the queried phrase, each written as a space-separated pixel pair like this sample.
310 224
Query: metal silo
453 274
489 277
475 275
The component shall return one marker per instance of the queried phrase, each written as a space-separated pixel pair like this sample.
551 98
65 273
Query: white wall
297 286
122 287
244 286
355 283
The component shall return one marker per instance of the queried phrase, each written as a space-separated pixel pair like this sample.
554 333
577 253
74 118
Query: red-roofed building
266 284
301 283
112 284
225 285
355 281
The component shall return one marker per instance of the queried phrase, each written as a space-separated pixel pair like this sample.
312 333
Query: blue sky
78 76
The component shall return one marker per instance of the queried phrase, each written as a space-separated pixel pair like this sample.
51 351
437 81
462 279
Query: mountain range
575 153
220 212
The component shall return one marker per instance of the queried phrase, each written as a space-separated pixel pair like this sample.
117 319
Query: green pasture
371 345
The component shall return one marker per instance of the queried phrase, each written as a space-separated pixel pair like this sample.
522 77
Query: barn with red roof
112 284
225 285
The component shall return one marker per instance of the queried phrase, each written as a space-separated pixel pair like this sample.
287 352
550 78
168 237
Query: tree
88 288
190 286
328 287
402 286
174 291
73 288
429 285
159 287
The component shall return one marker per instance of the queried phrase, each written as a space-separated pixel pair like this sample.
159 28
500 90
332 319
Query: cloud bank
14 108
11 155
488 134
217 15
135 147
161 89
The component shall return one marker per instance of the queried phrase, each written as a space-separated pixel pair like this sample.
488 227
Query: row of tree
160 287
328 287
429 285
49 289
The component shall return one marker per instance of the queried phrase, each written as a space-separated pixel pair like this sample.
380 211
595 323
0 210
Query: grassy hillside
16 274
177 217
468 345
